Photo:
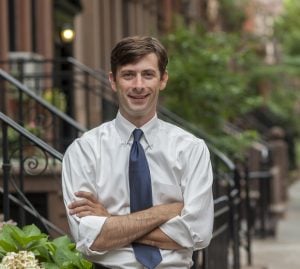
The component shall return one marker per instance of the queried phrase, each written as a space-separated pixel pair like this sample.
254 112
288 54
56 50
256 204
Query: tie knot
137 134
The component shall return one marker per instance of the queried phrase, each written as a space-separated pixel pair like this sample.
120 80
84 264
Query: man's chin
139 112
138 107
138 102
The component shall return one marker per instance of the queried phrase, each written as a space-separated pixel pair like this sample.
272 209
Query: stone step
255 267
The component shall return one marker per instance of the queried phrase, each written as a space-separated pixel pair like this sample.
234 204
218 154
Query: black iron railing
78 87
41 117
36 162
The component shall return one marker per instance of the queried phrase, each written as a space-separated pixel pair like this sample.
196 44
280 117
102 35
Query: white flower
21 260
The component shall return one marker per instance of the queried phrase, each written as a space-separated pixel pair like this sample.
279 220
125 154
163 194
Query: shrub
59 253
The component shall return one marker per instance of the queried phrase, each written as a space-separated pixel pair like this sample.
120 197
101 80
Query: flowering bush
22 259
28 244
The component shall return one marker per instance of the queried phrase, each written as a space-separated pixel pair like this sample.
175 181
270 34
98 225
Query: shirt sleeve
193 228
78 174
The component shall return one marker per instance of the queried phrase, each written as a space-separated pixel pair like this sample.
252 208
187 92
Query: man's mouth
139 97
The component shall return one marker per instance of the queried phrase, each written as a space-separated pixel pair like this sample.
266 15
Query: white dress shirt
180 172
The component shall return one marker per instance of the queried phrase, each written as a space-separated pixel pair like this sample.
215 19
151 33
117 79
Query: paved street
282 252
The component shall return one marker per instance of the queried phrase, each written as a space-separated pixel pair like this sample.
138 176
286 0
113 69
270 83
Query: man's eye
127 76
148 75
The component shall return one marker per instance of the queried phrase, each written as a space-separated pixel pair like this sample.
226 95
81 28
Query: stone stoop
254 267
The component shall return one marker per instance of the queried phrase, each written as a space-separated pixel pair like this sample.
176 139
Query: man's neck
138 121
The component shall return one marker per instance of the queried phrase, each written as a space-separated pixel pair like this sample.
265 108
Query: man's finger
82 202
87 195
77 210
76 204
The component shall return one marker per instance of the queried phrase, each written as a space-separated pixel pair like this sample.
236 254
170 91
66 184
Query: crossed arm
119 231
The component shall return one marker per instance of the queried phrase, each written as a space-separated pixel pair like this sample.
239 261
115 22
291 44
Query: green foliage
282 82
217 77
56 97
285 98
57 254
232 14
287 27
236 145
283 103
209 77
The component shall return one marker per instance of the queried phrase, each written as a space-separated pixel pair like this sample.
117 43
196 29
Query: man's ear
164 80
112 82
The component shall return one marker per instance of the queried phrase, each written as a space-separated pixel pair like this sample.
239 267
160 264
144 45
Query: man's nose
138 82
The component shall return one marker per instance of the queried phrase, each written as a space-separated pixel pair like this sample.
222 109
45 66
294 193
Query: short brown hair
132 49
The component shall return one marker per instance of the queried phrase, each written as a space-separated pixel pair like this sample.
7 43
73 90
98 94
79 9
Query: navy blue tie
141 197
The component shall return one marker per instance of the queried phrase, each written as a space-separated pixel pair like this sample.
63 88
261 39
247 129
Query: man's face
137 86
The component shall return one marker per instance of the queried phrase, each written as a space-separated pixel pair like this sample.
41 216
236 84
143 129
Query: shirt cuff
89 229
177 229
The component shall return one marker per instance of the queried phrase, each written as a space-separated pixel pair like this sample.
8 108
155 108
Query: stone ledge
255 267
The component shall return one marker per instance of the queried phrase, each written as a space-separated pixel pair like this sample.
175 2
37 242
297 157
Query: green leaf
27 237
86 264
2 254
41 250
7 246
62 241
32 230
47 265
7 243
65 254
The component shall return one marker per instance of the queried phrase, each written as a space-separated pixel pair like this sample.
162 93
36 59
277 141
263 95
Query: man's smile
139 97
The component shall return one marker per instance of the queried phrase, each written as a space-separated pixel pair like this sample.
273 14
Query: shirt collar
125 129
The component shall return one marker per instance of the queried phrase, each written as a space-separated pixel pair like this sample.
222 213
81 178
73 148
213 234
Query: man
138 190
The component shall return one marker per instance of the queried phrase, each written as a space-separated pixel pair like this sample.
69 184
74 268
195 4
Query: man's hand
87 205
158 238
120 231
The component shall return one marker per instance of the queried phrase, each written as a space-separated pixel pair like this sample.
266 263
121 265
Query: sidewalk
282 252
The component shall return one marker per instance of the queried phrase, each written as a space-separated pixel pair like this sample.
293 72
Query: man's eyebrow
149 70
133 71
126 71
